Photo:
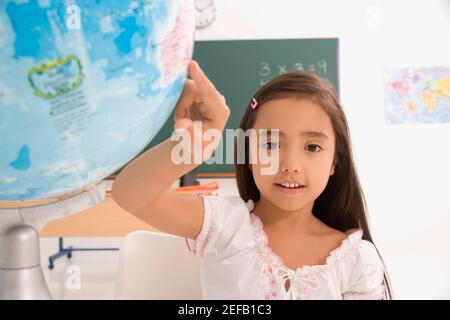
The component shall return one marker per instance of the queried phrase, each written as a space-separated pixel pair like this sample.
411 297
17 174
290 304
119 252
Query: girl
300 233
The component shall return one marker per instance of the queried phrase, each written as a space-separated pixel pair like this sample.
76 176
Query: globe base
21 276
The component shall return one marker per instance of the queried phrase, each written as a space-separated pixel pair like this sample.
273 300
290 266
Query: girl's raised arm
143 186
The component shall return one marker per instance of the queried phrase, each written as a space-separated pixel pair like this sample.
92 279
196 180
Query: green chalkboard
239 67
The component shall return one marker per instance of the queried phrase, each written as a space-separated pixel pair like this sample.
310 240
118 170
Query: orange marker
205 189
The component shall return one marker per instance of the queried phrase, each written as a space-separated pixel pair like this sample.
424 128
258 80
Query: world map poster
417 95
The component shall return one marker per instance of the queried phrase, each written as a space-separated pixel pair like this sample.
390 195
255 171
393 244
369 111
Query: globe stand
21 276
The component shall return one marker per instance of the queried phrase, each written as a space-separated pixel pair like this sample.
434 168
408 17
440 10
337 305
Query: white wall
404 170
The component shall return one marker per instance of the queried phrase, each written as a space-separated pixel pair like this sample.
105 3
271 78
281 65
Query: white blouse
237 262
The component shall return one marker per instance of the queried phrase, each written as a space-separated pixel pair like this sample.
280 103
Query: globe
84 87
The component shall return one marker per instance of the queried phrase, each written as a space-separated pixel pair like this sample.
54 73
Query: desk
106 219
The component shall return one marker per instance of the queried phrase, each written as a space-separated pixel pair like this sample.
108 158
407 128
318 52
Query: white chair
157 266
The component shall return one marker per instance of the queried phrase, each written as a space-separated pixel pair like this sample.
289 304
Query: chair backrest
156 265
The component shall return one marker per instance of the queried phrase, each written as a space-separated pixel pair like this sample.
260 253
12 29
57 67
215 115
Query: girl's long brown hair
341 205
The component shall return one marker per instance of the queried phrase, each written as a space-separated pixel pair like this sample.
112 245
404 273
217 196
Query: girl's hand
200 101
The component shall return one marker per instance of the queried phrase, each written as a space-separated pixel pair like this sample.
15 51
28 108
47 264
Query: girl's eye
317 147
270 145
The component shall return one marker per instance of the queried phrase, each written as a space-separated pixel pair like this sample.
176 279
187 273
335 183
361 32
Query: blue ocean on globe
85 85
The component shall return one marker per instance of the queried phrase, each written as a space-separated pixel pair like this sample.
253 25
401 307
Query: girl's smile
289 190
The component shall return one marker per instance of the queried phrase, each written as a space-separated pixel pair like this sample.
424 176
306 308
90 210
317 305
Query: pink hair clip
254 103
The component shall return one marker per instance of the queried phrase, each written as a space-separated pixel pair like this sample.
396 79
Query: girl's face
306 145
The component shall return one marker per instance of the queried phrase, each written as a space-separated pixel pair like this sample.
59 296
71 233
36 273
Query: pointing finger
204 85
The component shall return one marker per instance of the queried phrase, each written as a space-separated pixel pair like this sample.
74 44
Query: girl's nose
291 163
290 170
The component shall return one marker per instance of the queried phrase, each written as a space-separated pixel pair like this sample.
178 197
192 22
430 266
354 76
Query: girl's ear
333 165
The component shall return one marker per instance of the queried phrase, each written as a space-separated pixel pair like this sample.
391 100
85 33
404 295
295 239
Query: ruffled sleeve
363 274
226 228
